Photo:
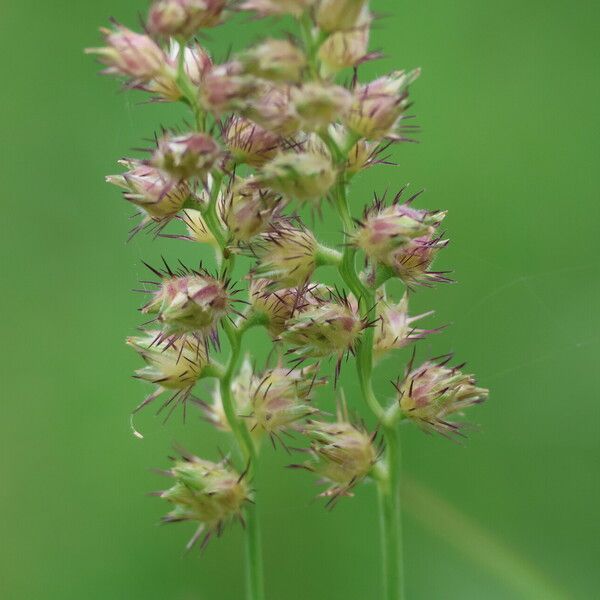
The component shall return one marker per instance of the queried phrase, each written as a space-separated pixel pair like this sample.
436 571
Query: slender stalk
235 333
391 529
254 561
210 213
388 479
347 269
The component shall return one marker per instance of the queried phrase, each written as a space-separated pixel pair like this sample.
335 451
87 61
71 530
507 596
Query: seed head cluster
272 139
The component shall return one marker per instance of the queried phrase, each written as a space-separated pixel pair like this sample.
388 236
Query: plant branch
391 529
254 563
235 333
388 474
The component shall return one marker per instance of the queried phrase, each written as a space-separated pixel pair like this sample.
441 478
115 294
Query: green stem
388 475
209 213
366 297
254 561
240 431
235 333
348 265
327 256
391 529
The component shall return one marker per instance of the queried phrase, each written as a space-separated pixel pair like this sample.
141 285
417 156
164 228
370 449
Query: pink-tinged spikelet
196 60
165 85
385 229
303 176
286 254
272 109
341 453
412 261
318 104
363 154
208 493
329 328
348 48
339 15
189 301
128 54
272 402
379 105
250 143
227 88
247 210
274 60
197 229
278 306
279 399
430 394
158 196
185 156
172 365
183 17
395 329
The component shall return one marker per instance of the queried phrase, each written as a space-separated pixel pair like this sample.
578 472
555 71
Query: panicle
130 54
384 229
183 17
289 132
319 104
431 393
379 105
275 60
342 455
395 328
189 301
211 494
286 253
250 143
303 176
187 155
153 190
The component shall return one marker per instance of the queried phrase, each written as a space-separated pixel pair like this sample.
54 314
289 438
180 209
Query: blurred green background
509 109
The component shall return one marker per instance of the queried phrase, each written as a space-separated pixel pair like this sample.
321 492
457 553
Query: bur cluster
273 138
